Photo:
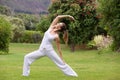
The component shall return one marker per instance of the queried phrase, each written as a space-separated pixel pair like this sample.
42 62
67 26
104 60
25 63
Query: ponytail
65 32
65 36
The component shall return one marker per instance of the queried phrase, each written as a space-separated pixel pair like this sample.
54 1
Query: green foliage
110 11
101 42
17 27
31 37
29 20
5 34
114 31
44 24
5 10
84 28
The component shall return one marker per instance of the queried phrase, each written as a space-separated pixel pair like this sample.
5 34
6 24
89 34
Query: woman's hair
65 37
65 32
63 27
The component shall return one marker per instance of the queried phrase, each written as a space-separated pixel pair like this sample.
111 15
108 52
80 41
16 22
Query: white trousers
31 57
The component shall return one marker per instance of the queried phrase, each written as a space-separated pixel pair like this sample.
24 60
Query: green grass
88 64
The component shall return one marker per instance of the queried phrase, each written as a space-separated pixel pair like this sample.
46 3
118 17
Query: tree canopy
110 20
85 26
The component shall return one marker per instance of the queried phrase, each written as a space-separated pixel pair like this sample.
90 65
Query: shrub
30 20
44 24
110 12
31 37
17 28
5 10
5 35
101 42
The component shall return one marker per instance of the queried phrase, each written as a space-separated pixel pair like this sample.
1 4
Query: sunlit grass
88 64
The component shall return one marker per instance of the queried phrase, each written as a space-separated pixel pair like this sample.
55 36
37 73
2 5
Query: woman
46 48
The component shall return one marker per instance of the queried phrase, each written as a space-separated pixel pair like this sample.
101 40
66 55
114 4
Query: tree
110 12
5 10
5 35
30 20
84 28
44 24
17 27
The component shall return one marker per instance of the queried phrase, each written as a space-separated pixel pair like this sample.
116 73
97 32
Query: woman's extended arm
58 47
56 20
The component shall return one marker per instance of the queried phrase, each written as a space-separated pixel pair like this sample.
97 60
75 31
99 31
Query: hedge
31 37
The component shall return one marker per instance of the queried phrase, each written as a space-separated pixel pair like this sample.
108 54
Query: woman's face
59 25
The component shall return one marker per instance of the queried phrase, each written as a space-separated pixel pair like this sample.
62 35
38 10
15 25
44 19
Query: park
93 48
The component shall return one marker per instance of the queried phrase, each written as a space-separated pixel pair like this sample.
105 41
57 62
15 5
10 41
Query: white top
47 40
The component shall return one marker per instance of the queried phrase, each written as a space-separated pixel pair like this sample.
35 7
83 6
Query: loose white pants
31 57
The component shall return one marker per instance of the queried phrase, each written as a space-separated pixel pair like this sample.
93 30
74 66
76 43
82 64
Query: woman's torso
47 40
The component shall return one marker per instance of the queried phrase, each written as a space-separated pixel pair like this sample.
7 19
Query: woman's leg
63 66
28 59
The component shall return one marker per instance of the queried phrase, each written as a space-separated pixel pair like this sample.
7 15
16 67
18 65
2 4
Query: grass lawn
88 64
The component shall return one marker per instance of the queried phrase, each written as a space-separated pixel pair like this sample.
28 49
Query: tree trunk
118 50
72 47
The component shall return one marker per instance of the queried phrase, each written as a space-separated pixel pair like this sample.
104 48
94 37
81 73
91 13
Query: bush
5 10
31 37
110 12
44 24
103 43
5 35
30 20
17 28
114 31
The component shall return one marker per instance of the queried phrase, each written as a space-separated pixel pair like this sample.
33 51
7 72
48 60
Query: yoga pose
46 48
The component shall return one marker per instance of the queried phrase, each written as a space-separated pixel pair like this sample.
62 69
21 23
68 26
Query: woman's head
61 27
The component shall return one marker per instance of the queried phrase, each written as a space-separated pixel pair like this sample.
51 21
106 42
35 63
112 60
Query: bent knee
26 57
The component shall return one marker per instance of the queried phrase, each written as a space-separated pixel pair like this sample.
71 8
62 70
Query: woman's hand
71 18
57 19
66 16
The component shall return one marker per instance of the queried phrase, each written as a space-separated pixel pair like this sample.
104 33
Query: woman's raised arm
56 20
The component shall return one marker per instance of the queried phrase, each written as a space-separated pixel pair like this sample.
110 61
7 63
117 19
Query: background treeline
21 25
92 18
110 20
20 28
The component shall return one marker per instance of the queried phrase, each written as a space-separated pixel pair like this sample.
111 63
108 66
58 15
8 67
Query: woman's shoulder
51 27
